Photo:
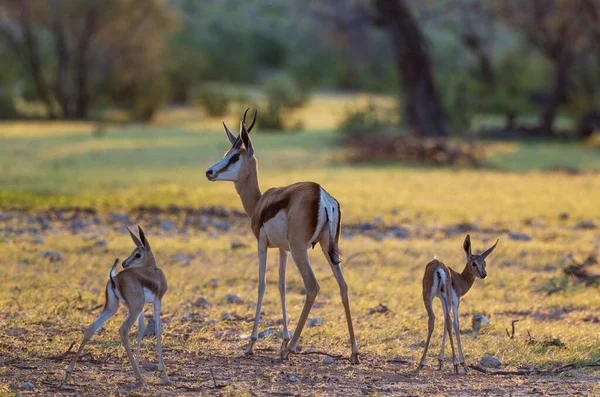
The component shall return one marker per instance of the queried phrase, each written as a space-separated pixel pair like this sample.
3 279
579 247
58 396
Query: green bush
215 102
367 121
149 97
271 118
283 91
7 105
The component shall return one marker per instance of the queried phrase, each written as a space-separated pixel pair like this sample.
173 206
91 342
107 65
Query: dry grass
45 305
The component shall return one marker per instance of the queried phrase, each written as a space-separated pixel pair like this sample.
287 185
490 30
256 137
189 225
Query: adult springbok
291 218
448 285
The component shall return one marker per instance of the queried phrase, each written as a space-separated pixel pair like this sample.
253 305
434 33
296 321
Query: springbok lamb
139 283
449 286
291 218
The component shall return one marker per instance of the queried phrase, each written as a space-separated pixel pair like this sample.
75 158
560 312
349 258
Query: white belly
276 231
148 296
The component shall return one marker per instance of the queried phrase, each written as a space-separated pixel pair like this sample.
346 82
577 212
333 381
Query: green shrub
271 118
283 91
7 105
150 96
215 102
367 121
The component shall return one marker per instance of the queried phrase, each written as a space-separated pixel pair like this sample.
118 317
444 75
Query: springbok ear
232 138
489 250
467 246
135 239
247 141
144 239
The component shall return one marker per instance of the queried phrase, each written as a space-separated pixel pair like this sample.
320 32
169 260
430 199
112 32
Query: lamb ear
144 239
247 141
467 246
489 250
135 239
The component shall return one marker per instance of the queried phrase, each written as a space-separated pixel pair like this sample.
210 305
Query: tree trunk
559 91
31 58
62 53
421 105
82 103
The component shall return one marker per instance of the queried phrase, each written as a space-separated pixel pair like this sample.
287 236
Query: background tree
73 51
421 105
562 30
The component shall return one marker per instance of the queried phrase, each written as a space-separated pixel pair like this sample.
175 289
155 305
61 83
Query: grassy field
46 302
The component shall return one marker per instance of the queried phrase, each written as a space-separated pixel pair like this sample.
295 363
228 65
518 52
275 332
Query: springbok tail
113 273
334 220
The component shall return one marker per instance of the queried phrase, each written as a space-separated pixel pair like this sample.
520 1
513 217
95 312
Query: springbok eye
474 264
138 255
234 158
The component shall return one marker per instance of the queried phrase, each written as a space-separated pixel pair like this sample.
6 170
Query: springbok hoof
165 379
456 369
250 349
440 365
464 365
284 354
354 359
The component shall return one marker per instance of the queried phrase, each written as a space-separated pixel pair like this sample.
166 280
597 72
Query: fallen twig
337 356
534 371
215 381
511 335
500 372
61 356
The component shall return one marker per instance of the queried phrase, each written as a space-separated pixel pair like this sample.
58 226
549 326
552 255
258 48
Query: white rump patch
148 295
442 275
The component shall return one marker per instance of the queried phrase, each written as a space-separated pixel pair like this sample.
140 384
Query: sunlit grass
44 165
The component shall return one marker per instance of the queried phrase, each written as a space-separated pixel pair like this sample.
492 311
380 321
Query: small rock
236 244
100 244
119 218
167 226
365 227
378 237
519 236
563 216
151 367
490 362
400 359
294 379
266 333
27 386
398 232
379 309
328 360
280 334
38 240
53 256
479 320
213 282
586 224
233 299
245 337
201 302
186 317
226 317
151 327
316 321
